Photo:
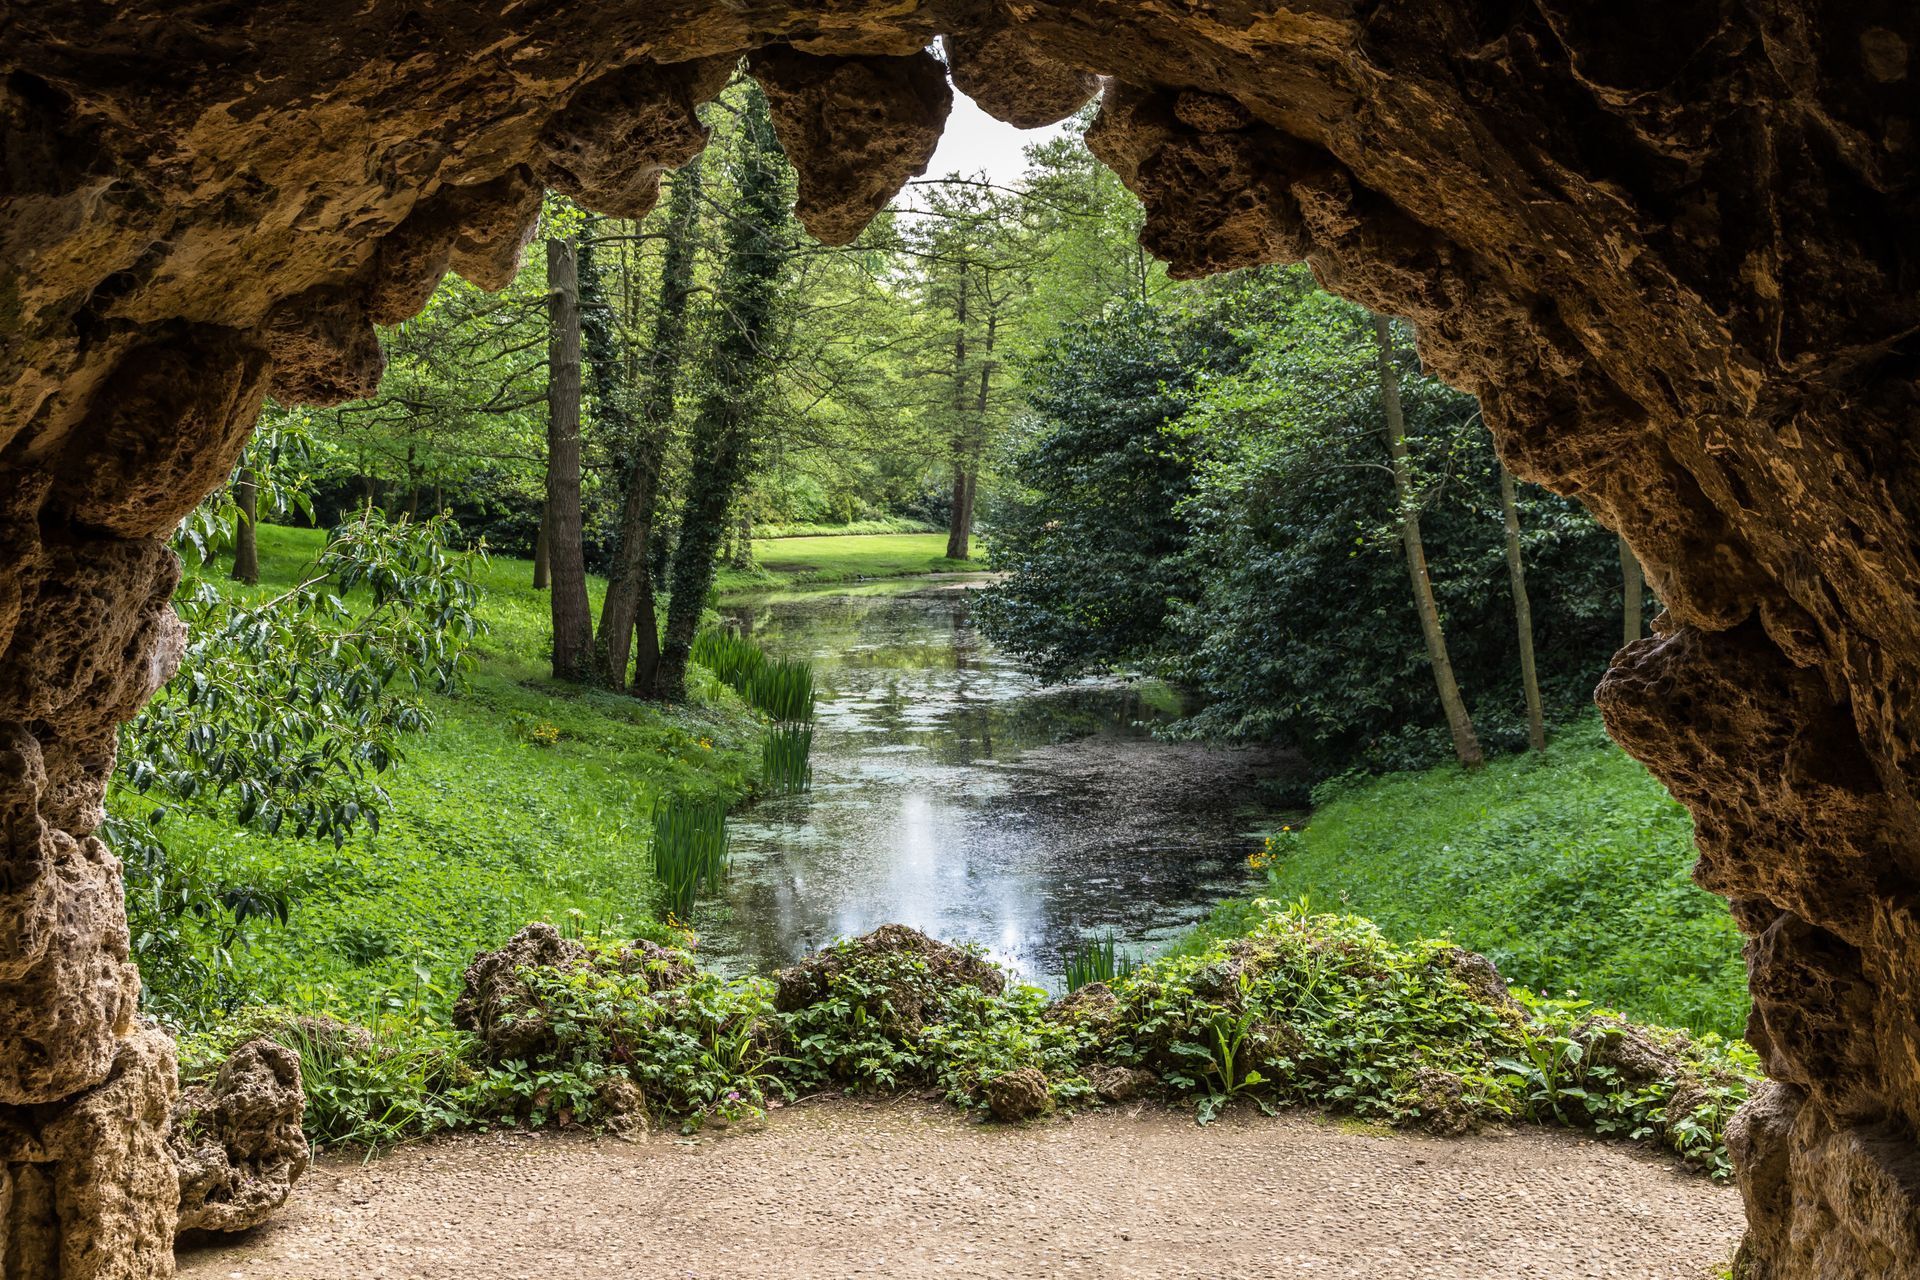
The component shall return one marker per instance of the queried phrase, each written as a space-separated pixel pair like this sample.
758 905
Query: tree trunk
1522 614
566 557
957 529
541 577
756 256
1633 584
246 547
1465 744
629 632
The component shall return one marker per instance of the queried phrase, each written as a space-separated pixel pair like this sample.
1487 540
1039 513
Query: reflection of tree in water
1082 826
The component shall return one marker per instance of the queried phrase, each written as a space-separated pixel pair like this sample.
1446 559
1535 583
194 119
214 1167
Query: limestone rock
64 1018
1011 79
236 1140
854 128
620 133
494 1002
1119 1084
1017 1095
907 972
87 1188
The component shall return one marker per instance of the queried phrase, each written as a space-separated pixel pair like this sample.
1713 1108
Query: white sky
975 141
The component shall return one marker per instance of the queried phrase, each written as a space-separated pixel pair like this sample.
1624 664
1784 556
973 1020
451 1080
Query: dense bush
1206 497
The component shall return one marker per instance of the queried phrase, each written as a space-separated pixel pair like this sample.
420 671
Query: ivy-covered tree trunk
1633 591
566 557
756 257
629 631
1522 613
1466 744
246 546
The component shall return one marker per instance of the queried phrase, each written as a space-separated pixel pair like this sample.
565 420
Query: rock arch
1673 246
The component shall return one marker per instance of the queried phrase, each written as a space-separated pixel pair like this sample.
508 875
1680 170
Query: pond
952 791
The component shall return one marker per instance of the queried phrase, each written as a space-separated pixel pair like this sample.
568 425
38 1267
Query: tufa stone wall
1674 247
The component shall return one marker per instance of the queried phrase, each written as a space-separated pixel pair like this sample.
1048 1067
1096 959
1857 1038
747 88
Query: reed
729 655
784 690
783 759
690 850
1098 960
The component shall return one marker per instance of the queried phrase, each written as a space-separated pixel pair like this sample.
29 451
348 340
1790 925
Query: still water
955 793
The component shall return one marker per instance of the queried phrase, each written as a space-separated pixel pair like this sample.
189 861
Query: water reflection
955 793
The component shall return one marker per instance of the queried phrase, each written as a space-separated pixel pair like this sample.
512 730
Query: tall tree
1466 745
1633 591
566 556
1522 613
755 257
629 633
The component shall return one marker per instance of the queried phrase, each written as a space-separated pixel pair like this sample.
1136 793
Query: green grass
526 800
1569 869
782 562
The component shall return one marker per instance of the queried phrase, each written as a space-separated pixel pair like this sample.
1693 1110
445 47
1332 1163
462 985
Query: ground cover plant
525 799
1569 868
1302 1009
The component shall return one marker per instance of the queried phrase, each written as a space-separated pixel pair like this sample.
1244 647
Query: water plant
784 690
784 759
1098 960
690 850
729 655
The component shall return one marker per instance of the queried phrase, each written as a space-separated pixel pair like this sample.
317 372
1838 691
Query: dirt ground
842 1189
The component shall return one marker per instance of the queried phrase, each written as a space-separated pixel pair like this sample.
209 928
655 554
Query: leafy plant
690 850
1097 960
784 756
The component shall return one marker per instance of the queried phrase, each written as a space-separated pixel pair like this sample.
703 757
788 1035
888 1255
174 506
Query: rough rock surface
1020 1094
1670 246
496 1005
237 1141
903 969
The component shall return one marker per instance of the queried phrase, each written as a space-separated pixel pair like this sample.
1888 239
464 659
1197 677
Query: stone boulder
905 973
237 1143
1020 1094
496 1004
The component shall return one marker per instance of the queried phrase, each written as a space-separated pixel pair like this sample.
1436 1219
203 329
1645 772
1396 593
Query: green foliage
873 525
784 690
783 759
1569 869
1207 498
1325 1011
1098 960
487 825
729 655
696 1050
690 851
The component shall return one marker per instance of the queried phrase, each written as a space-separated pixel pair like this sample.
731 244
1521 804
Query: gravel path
841 1189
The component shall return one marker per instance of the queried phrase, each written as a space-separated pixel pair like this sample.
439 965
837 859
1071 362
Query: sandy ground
843 1189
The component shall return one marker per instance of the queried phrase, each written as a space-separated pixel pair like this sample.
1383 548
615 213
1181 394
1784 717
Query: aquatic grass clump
783 759
784 690
691 850
729 655
1098 960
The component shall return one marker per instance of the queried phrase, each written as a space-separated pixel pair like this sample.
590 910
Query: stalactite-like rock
1672 248
855 129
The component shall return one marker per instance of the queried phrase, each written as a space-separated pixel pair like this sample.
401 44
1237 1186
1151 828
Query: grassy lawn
782 562
1569 869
